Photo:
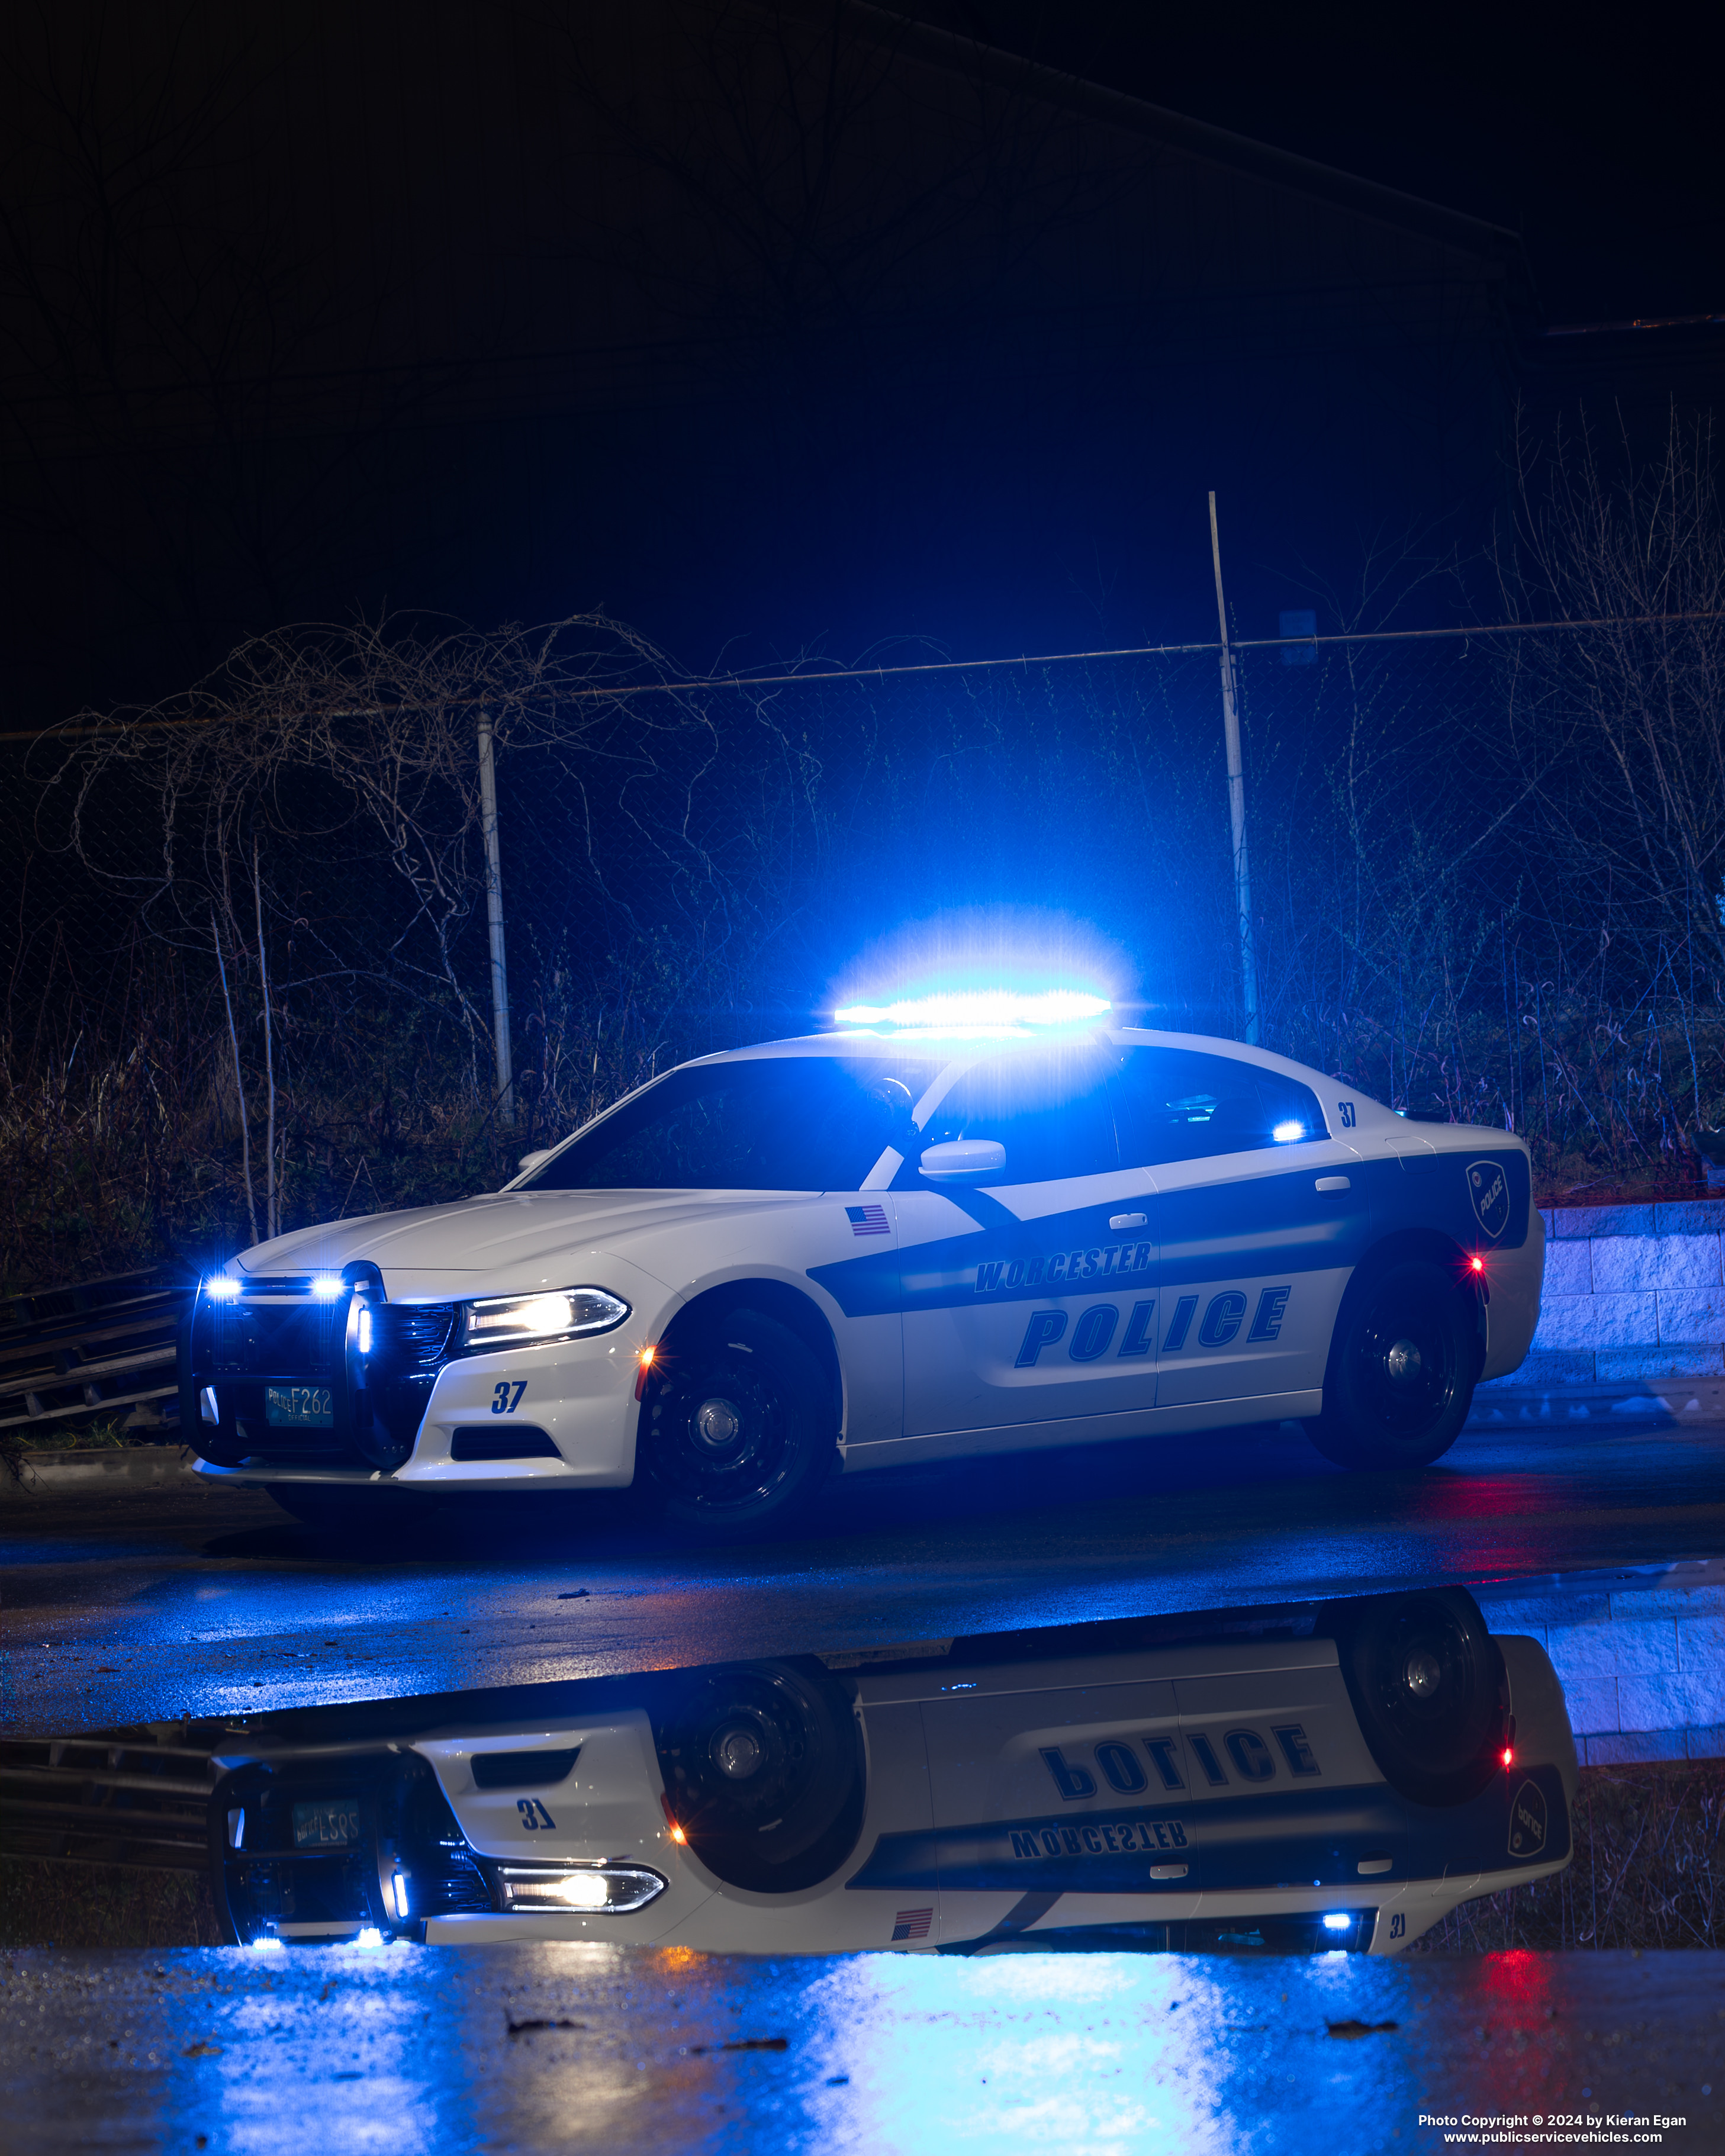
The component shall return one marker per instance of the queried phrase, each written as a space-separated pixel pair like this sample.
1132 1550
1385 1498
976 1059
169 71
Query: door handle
1128 1220
1332 1186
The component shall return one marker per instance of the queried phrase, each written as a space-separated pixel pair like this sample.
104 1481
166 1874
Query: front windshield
782 1122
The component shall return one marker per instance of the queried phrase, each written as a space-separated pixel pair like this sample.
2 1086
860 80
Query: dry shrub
1647 1870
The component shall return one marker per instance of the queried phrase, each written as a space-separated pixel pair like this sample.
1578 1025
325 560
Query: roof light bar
981 1010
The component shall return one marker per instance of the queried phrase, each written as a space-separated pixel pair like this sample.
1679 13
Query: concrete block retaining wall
1640 1655
1633 1294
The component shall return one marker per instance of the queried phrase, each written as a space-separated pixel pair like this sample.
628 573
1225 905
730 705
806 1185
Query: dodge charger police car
859 1249
1329 1777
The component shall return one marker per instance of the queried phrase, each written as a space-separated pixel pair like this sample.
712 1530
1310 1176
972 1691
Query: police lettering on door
1092 1336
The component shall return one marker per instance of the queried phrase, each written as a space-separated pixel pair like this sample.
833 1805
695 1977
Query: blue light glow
1338 1923
1286 1133
364 1328
220 1287
326 1286
370 1936
980 1013
268 1940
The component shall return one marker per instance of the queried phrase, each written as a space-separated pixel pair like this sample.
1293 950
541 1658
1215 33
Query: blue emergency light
993 1014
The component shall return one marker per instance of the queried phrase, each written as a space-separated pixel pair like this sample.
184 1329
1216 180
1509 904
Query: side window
770 1123
1051 1111
1177 1104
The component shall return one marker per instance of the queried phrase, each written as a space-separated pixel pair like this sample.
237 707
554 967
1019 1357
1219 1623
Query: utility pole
1236 803
494 917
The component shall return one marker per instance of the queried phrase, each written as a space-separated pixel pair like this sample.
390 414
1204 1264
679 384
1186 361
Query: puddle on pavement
1313 1779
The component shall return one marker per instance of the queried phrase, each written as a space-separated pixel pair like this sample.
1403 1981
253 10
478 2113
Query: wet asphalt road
406 2049
163 1604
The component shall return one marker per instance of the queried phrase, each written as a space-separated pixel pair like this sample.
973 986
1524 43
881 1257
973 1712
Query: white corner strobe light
326 1286
221 1287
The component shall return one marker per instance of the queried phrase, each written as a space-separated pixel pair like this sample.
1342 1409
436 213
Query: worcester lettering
1107 1261
1114 1837
1117 1760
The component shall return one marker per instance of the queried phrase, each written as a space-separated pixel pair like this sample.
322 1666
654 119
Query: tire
762 1764
1427 1682
740 1433
1402 1368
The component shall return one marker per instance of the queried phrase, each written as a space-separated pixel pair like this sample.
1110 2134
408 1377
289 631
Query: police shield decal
1527 1821
1488 1193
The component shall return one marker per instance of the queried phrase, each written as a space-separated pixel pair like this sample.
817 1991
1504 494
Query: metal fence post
1236 803
494 917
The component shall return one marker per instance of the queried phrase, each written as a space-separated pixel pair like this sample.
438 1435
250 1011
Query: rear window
791 1122
1179 1104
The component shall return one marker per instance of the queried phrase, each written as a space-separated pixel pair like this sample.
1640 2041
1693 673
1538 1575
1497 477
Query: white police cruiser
1325 1776
867 1247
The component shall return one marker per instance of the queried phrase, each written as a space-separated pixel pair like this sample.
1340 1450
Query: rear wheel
1402 1370
1428 1686
740 1431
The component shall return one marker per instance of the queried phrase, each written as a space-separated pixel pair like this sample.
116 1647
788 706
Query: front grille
270 1341
405 1827
277 1332
409 1346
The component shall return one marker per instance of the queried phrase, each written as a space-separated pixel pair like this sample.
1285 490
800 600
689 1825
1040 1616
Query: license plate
299 1407
326 1826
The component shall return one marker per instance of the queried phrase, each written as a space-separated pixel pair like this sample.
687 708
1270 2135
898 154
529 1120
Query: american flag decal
912 1924
868 1220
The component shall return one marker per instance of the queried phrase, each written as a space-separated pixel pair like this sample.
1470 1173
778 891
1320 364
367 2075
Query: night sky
1594 131
994 466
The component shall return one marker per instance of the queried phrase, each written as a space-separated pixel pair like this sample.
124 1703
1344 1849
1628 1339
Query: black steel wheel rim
726 1435
1406 1364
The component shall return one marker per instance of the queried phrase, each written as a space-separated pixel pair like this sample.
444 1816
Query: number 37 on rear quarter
856 1250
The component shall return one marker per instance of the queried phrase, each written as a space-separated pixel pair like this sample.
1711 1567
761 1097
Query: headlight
509 1321
617 1888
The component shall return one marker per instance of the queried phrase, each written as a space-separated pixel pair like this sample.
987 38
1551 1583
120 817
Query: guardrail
66 1353
123 1798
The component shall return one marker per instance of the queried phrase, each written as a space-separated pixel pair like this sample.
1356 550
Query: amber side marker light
644 1362
677 1834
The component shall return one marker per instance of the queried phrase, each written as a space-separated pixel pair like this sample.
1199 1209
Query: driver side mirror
964 1160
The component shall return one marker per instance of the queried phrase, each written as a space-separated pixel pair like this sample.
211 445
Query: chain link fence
254 987
250 984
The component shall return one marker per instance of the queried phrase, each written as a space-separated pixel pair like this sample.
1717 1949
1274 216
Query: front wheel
739 1431
1401 1373
763 1772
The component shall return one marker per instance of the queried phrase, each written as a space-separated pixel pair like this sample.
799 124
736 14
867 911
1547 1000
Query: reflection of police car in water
883 1249
1330 1776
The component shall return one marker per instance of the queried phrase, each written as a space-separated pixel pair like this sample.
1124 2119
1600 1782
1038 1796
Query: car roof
950 1052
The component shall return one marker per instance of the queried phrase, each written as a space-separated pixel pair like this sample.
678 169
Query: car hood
513 1242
